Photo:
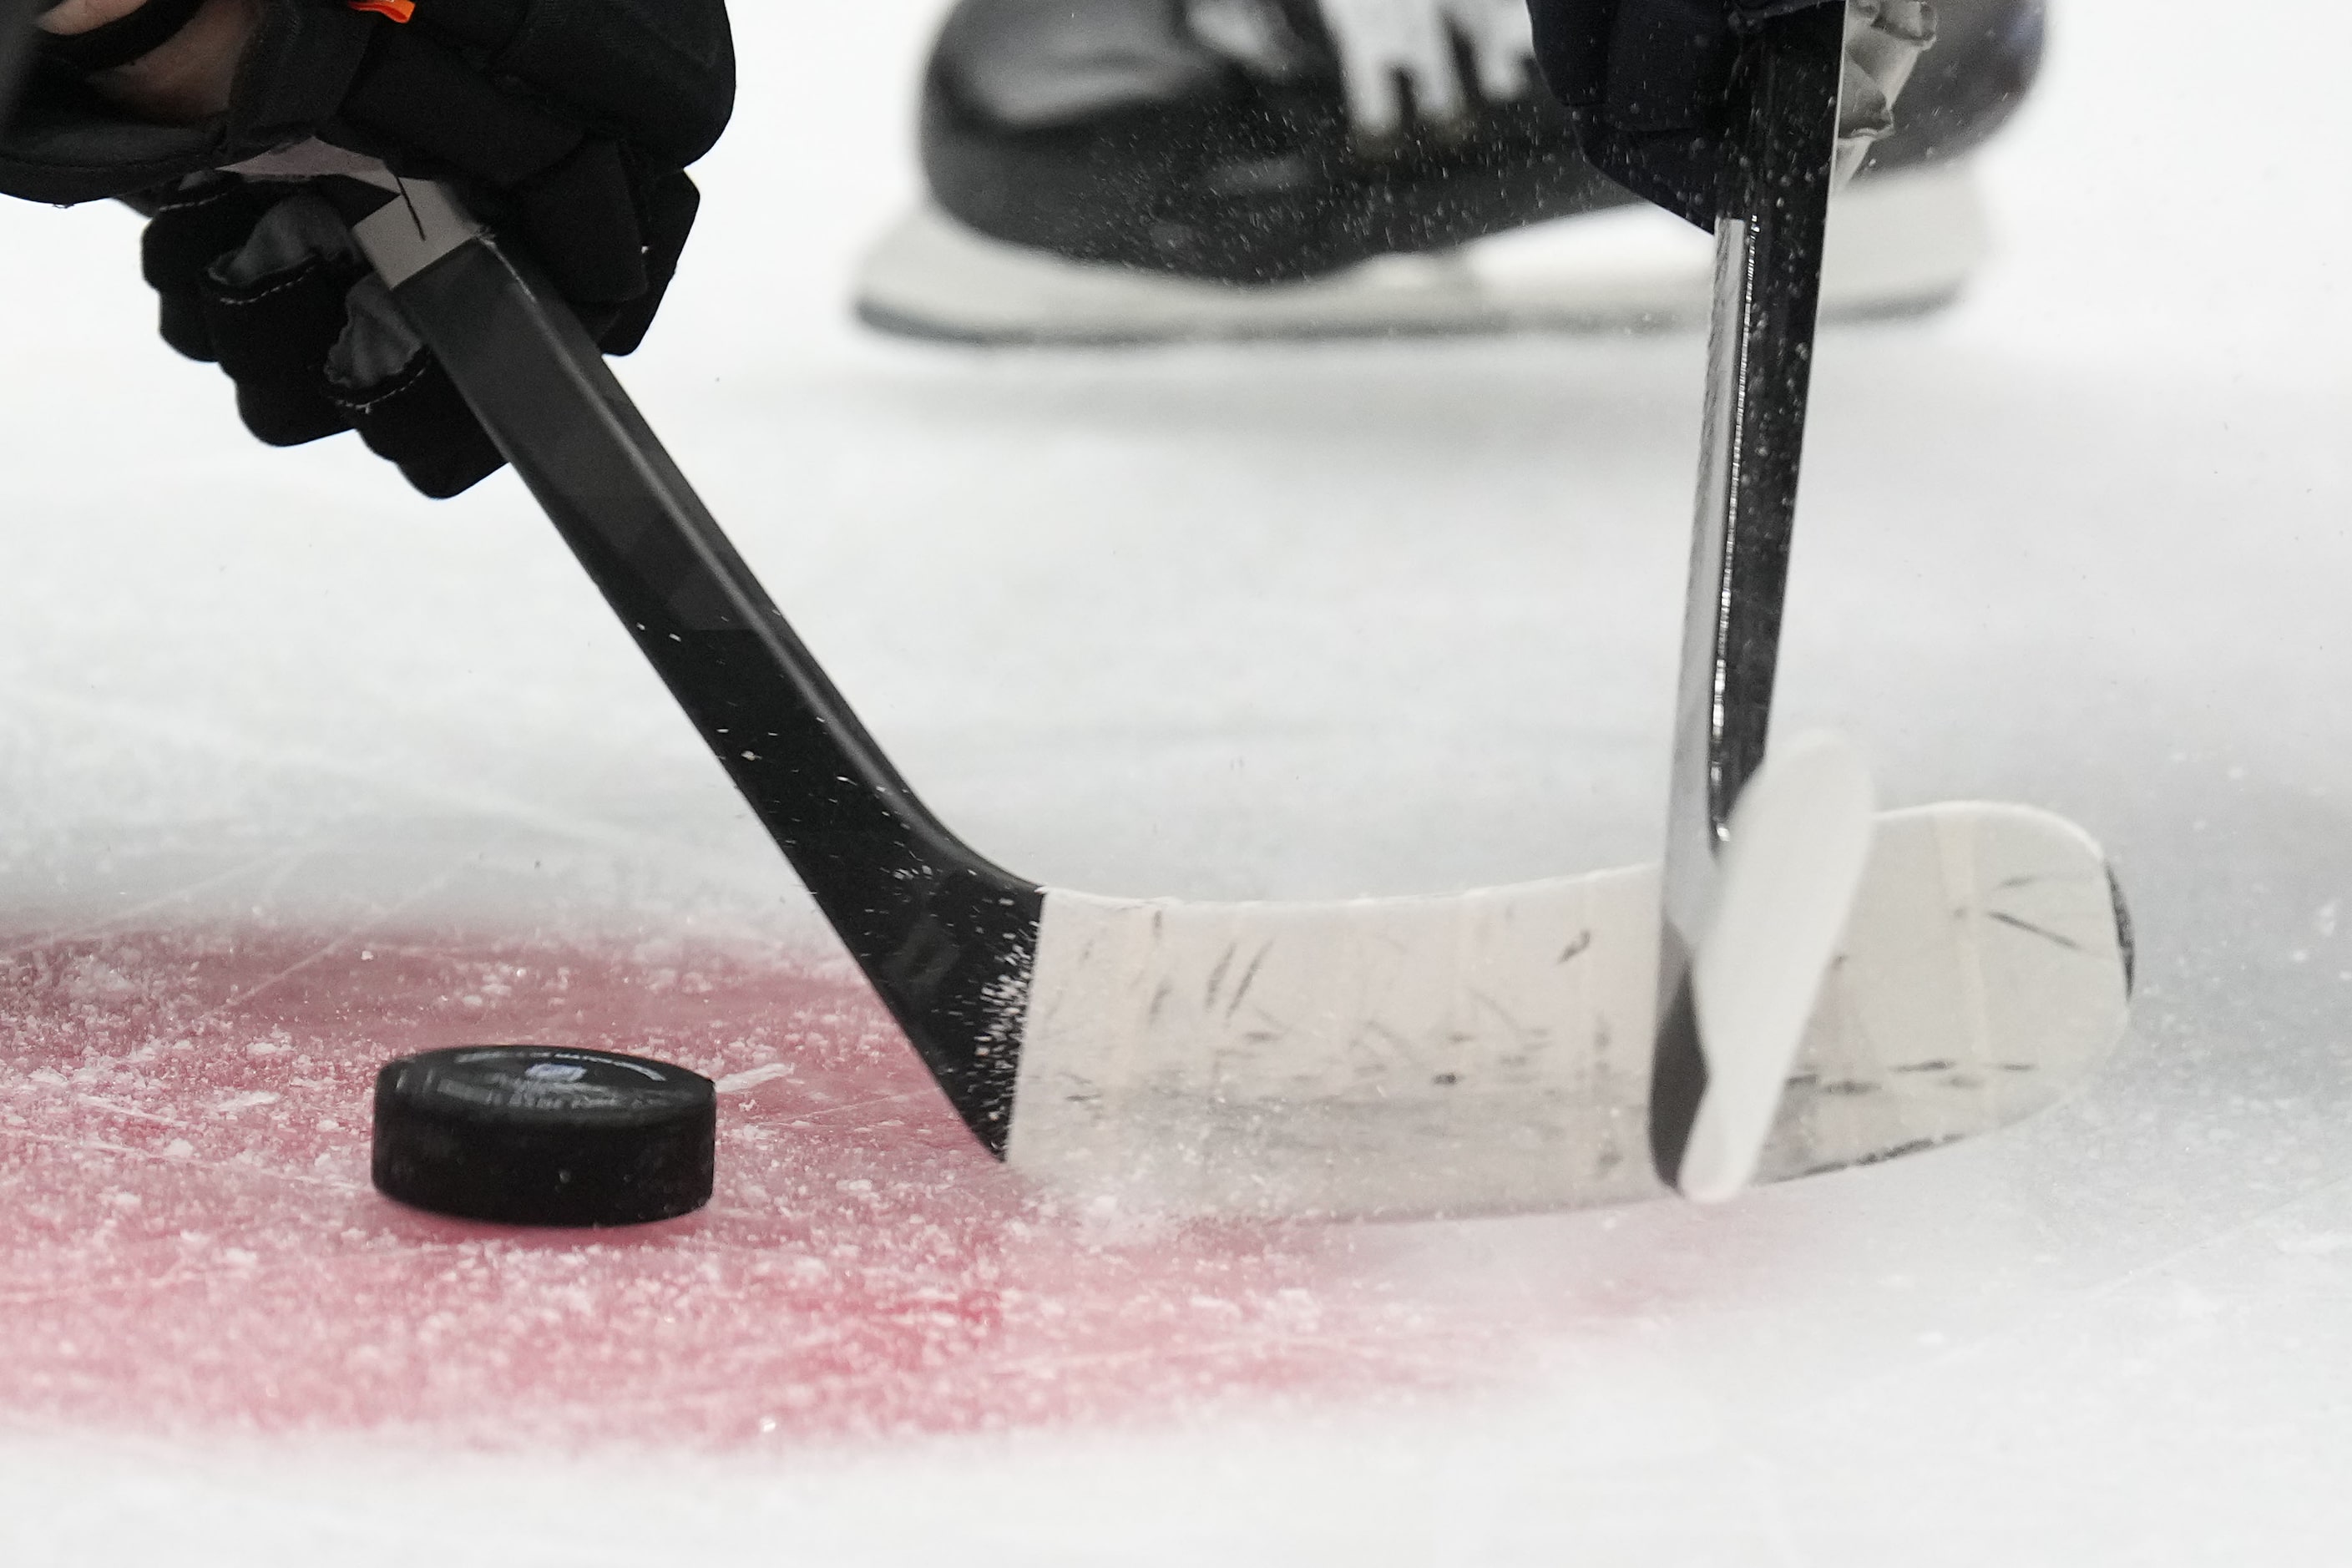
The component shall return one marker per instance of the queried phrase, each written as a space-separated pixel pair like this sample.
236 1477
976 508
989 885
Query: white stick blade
1488 1052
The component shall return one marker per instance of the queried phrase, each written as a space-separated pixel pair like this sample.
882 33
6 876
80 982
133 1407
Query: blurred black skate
1108 171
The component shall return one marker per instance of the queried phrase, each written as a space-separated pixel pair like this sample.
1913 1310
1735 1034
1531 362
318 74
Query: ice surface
1348 619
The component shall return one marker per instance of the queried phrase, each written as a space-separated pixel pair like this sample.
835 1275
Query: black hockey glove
566 124
1648 84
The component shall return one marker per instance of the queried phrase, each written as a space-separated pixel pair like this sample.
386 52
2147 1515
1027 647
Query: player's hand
1649 81
264 279
1883 41
566 124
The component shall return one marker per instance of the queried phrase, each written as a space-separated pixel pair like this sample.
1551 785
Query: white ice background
1343 619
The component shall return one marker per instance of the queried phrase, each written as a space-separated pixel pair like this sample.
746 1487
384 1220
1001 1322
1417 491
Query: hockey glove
1649 82
565 123
267 280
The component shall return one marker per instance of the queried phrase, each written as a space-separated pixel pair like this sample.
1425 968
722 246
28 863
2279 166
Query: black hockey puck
544 1135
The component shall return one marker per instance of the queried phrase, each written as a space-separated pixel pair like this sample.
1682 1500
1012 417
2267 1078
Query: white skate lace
1397 57
1403 59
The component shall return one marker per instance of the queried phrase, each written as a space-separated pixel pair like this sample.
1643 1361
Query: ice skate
1135 171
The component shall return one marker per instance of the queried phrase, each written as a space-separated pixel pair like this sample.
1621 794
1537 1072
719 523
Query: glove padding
1883 41
1648 83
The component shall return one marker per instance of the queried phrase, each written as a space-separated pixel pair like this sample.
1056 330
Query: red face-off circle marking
190 1240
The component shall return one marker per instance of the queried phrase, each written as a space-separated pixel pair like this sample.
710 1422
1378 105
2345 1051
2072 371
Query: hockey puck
544 1135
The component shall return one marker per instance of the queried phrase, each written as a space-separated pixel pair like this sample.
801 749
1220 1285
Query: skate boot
1109 171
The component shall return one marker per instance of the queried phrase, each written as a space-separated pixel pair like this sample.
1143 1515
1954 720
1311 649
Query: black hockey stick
1771 218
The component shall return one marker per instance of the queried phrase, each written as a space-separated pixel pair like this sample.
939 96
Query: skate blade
1898 244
